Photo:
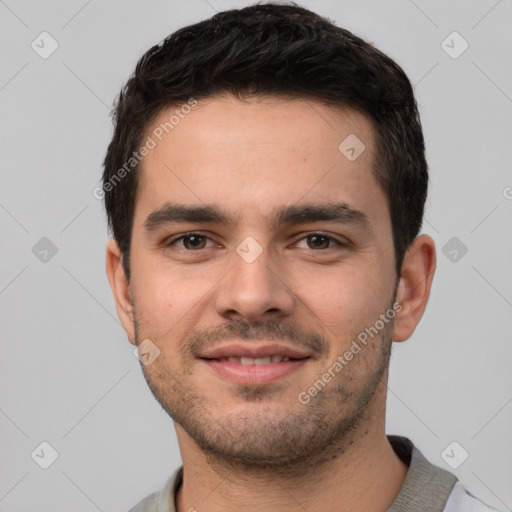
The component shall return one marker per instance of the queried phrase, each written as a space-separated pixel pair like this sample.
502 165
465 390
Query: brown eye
321 242
190 241
194 242
318 241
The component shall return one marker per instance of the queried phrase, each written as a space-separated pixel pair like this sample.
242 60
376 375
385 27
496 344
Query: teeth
262 360
255 360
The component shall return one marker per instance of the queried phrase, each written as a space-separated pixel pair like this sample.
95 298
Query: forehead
250 156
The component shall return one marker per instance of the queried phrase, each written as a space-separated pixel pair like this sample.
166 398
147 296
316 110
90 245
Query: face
281 245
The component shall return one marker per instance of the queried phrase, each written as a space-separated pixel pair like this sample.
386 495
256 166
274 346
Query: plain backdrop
68 375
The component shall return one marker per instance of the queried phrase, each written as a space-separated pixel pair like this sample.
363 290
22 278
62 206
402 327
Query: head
292 150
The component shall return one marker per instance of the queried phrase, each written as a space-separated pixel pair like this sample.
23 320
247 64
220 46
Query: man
265 187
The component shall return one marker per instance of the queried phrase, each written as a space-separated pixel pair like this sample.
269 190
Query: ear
120 288
414 287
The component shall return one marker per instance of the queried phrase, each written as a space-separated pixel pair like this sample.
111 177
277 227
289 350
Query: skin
258 448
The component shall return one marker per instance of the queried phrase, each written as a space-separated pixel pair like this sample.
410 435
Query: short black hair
272 49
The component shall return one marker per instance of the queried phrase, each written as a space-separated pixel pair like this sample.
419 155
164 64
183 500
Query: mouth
247 361
254 370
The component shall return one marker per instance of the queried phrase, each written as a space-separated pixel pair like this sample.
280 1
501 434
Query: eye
191 241
196 241
321 241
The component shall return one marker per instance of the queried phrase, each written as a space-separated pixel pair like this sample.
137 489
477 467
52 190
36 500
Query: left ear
413 290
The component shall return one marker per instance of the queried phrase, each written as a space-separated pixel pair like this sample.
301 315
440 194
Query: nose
254 290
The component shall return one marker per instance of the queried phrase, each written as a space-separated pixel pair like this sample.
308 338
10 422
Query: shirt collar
426 487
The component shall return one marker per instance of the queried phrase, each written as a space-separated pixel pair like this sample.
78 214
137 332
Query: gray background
68 375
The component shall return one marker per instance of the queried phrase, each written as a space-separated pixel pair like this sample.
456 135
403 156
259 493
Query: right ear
120 288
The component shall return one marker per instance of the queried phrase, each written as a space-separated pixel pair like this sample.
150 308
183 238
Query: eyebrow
172 213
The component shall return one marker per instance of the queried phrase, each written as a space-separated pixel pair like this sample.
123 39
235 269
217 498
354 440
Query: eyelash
172 241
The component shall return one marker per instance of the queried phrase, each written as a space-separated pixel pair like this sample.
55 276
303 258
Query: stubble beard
271 441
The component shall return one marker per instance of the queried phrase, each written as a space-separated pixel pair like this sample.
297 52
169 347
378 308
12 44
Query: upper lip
250 349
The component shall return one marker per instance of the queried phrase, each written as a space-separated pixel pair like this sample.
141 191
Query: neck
361 473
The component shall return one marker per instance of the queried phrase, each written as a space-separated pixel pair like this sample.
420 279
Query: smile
254 371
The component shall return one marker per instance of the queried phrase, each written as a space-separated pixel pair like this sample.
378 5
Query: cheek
166 302
345 301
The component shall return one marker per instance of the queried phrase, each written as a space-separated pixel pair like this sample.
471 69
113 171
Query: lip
248 375
254 350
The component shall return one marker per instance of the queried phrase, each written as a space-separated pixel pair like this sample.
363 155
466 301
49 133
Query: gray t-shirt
427 488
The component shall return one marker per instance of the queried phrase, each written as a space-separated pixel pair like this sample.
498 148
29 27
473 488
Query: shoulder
460 500
148 504
162 501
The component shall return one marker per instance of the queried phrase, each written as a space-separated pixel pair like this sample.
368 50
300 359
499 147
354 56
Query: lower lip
254 374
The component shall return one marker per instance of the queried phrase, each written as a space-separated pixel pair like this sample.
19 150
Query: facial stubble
273 440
